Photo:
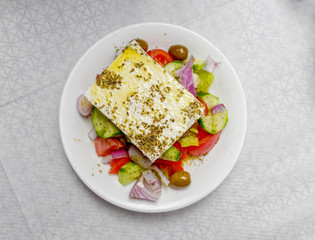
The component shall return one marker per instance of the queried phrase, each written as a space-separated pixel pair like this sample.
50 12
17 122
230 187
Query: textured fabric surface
270 194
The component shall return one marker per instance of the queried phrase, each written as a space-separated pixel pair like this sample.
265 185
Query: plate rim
158 209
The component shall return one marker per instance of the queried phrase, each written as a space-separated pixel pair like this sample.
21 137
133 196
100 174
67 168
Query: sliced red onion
152 180
97 76
136 193
92 134
210 65
107 159
84 106
218 108
136 155
140 191
119 154
161 174
185 75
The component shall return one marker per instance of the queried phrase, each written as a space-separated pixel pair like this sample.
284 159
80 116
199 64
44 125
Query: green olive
142 44
180 179
178 52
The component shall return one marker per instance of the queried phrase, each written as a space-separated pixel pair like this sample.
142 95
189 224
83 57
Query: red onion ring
84 106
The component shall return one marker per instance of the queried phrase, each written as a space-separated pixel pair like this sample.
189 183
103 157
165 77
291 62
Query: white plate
81 152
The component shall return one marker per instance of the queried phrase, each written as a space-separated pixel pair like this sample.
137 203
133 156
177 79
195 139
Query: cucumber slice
209 99
198 65
172 154
214 123
173 66
129 172
103 126
206 80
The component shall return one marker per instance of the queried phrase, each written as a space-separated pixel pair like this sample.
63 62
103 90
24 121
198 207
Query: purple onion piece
153 182
107 159
92 134
119 154
210 65
185 75
161 174
140 191
84 106
136 155
218 108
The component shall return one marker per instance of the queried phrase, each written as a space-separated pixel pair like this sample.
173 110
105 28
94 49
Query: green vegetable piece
198 65
173 66
188 140
129 172
194 130
209 99
206 80
214 123
103 126
165 173
172 154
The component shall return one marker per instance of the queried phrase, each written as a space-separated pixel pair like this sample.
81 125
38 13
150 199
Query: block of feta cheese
145 102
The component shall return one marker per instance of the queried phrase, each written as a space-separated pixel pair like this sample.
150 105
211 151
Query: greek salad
127 161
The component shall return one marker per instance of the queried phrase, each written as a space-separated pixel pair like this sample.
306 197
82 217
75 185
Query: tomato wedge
176 166
104 146
201 133
183 150
116 164
205 144
160 56
183 155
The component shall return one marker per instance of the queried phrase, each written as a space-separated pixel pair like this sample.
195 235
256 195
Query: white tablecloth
270 194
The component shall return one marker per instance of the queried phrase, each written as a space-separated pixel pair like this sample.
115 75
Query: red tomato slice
205 145
116 164
183 150
176 166
202 133
166 167
160 56
183 156
104 146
